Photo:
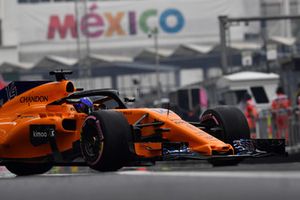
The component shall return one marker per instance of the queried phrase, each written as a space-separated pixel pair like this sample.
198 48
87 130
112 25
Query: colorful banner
124 21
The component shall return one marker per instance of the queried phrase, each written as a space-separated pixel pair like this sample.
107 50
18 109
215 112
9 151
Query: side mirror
129 99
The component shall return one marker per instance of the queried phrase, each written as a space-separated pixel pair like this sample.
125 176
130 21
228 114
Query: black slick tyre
226 123
25 169
104 140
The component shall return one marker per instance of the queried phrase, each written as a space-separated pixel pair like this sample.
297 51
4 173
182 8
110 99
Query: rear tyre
226 123
25 169
104 140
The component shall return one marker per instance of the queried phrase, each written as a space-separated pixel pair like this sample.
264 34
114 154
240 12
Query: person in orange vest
281 112
250 112
298 96
297 109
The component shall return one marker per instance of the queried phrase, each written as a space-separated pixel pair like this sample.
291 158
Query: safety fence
288 127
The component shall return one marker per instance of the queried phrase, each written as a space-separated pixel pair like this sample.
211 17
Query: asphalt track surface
166 180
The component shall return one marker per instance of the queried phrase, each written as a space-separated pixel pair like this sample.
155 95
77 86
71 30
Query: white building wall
253 9
9 16
93 83
9 33
9 54
284 28
189 76
147 83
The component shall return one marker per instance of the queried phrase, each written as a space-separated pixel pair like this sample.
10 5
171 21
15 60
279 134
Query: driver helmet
84 106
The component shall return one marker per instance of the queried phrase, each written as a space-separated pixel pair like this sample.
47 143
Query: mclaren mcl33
53 123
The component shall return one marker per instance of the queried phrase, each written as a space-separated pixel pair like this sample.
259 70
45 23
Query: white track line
225 174
212 174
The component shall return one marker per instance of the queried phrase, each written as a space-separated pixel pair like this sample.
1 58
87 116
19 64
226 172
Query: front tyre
104 140
25 169
226 123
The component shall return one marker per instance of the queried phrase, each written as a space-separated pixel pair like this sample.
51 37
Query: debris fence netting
277 126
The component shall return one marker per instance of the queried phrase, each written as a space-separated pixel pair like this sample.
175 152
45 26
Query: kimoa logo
30 99
96 25
39 134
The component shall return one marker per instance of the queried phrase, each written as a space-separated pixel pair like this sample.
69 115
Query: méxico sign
115 22
108 24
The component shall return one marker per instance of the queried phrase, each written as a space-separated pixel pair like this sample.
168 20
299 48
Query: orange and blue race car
53 123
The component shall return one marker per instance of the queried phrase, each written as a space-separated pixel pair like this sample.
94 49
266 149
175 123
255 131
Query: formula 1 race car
52 123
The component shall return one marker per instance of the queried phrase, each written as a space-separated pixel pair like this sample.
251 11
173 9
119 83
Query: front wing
244 149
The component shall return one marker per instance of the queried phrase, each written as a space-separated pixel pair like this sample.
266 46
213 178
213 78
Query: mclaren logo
33 99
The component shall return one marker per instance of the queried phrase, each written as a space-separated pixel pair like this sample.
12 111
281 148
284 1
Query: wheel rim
92 140
215 127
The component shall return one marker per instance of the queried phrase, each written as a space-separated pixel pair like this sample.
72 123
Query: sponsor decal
40 134
33 99
43 133
11 91
108 24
